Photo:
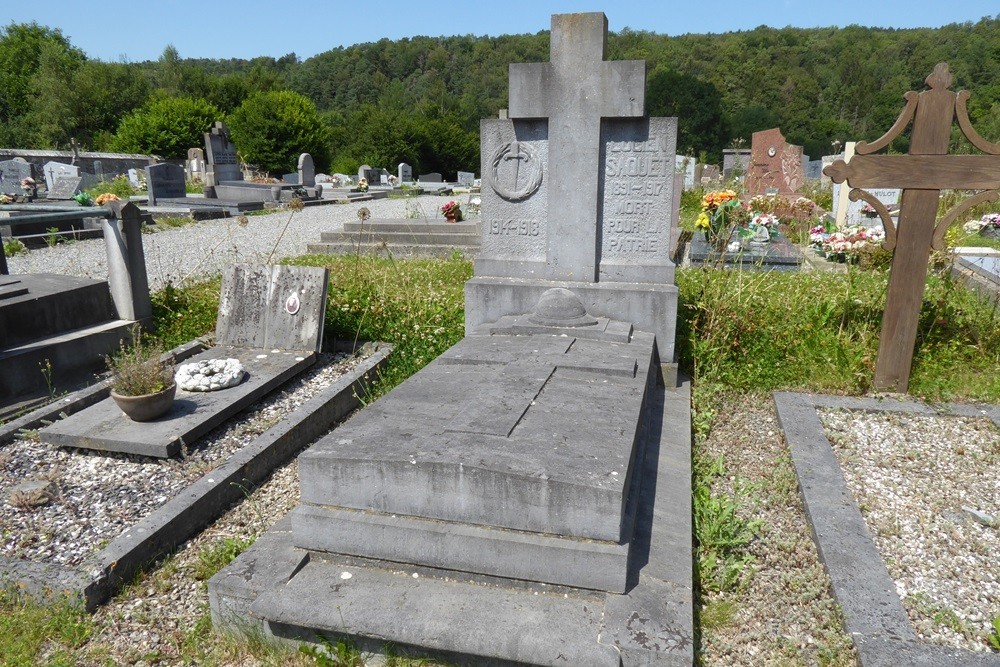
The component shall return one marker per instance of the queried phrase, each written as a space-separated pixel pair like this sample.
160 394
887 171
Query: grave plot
270 319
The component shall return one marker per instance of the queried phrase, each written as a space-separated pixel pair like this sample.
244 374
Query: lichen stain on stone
662 639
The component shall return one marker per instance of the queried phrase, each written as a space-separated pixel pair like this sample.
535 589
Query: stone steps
53 304
401 238
70 355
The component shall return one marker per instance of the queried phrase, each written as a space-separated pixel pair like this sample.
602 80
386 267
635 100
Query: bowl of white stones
209 374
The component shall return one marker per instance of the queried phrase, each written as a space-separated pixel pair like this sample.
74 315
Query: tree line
419 100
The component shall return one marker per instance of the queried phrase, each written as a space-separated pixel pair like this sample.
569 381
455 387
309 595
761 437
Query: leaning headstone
774 164
221 162
432 177
165 181
133 178
405 173
11 174
466 179
65 188
307 170
55 170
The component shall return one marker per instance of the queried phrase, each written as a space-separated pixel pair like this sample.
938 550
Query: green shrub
181 314
167 127
12 247
119 185
272 128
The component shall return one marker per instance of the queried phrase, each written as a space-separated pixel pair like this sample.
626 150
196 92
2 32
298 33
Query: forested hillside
420 99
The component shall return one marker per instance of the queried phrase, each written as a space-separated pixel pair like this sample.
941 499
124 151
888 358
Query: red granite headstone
775 164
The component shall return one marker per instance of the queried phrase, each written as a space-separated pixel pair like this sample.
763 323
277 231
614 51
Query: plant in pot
142 383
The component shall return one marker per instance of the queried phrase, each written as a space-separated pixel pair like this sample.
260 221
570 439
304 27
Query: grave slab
105 428
873 613
779 254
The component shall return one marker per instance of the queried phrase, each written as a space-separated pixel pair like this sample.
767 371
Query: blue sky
112 30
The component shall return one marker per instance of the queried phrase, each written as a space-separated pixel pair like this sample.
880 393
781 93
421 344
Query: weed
722 535
34 633
717 614
13 247
213 558
52 237
994 636
341 653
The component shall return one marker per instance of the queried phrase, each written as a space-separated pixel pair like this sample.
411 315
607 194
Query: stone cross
921 174
574 92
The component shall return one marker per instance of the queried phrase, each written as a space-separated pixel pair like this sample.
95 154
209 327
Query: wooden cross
574 92
921 174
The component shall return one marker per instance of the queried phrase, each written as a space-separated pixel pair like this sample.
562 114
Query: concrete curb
198 504
873 613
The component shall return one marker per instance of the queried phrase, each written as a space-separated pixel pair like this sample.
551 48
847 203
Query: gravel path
206 247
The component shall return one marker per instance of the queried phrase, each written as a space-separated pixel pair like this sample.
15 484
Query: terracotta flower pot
148 406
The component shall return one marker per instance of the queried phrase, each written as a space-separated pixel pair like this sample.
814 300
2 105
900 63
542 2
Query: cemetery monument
921 175
526 496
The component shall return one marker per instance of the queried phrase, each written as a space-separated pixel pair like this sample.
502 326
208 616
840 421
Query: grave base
648 306
288 593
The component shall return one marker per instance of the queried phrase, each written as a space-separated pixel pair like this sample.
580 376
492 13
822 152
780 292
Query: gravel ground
205 248
88 498
927 486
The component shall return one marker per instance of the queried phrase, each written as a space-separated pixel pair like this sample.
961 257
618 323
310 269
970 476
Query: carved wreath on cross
526 181
985 178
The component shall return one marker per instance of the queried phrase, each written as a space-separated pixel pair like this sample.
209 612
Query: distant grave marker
921 174
65 187
165 181
774 164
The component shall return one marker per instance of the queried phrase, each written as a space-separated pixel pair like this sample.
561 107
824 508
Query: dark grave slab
104 427
270 318
779 254
65 188
11 287
221 161
165 181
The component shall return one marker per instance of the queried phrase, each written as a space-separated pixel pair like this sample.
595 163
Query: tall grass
751 331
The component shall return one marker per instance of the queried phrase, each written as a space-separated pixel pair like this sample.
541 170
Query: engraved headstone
65 188
432 177
11 174
221 162
405 173
165 181
307 170
55 170
466 178
774 163
735 162
685 165
581 200
133 178
363 172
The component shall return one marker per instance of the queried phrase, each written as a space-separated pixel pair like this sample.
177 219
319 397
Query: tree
167 127
272 128
697 105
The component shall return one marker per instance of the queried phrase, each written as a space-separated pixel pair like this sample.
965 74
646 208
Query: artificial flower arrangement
844 245
363 184
453 211
28 185
721 211
105 198
990 222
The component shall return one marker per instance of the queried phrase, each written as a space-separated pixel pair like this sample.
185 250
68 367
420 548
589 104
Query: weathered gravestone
735 162
56 170
65 187
133 178
194 167
165 181
466 179
582 200
774 164
921 175
405 173
511 501
11 174
221 162
270 319
307 170
432 177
